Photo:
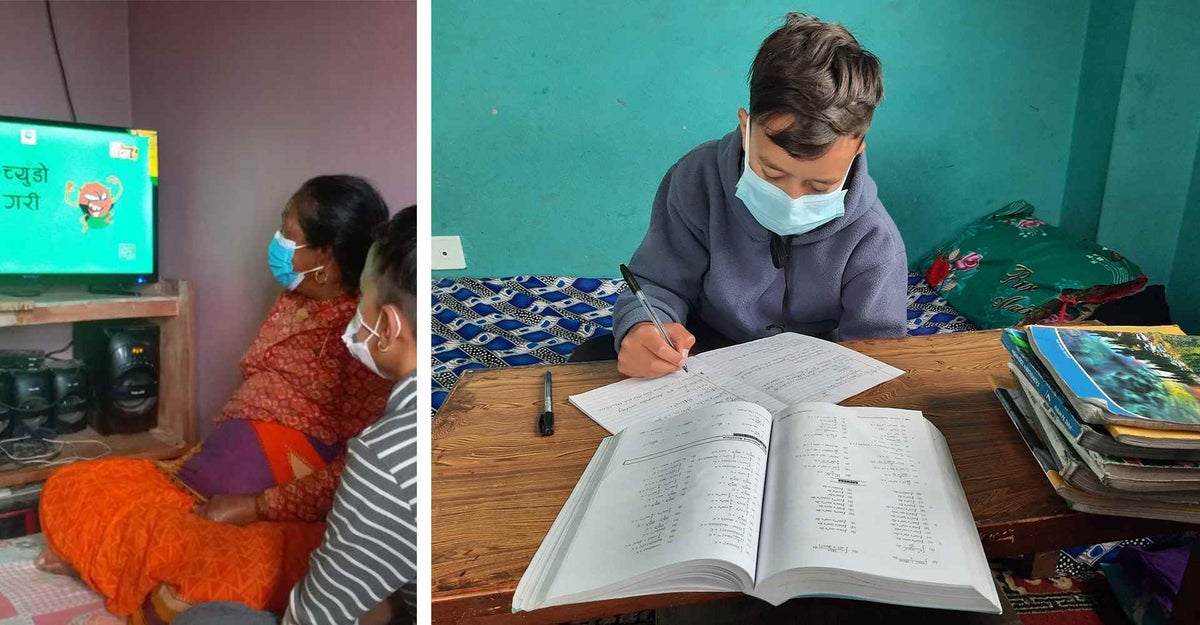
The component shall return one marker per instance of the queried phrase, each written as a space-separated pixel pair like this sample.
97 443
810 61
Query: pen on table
546 421
637 292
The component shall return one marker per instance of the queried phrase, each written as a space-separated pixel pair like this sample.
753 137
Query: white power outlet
448 253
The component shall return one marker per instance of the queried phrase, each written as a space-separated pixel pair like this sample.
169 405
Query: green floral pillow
1011 268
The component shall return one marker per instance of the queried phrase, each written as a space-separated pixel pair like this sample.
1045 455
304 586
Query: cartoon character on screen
96 200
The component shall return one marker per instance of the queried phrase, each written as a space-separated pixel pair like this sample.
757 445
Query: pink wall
250 99
94 40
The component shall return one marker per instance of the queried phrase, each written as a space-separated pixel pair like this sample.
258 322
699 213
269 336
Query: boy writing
777 226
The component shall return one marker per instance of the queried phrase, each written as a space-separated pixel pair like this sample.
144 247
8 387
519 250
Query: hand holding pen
652 349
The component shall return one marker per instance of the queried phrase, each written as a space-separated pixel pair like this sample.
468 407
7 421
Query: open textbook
811 500
772 372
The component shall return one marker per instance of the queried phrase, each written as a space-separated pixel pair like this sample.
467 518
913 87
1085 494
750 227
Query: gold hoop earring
379 347
321 276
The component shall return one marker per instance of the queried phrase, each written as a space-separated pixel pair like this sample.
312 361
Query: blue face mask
279 257
777 211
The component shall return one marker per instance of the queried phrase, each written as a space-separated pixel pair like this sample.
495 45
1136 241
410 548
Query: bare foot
51 563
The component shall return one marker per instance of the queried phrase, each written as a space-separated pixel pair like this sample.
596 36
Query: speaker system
122 359
32 400
72 395
21 359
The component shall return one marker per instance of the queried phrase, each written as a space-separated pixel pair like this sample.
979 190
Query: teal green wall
1185 287
553 122
1104 52
1155 141
1161 141
1184 291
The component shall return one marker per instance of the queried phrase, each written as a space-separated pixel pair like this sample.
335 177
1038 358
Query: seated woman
127 526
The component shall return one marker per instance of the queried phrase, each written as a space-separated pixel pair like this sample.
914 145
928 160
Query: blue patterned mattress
528 320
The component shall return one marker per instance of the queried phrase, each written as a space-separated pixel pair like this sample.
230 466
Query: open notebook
771 372
811 500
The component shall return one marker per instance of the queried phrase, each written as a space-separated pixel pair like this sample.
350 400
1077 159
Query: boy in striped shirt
369 551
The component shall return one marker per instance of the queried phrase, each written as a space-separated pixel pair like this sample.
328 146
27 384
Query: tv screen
77 203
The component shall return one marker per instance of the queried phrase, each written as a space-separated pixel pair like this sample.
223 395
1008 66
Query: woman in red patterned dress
236 517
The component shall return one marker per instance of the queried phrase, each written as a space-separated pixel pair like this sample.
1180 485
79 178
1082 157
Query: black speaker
122 360
72 395
32 400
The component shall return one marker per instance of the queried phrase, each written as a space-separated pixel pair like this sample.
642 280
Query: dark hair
341 212
816 72
396 261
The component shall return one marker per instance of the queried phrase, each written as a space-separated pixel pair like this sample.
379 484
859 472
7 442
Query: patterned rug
1085 599
529 320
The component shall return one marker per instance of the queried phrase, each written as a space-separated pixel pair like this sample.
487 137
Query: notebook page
771 372
673 490
793 368
641 400
860 489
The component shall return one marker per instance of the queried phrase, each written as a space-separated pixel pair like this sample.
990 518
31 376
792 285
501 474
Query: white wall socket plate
448 253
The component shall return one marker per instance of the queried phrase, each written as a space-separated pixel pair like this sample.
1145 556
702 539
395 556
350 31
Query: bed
529 320
29 596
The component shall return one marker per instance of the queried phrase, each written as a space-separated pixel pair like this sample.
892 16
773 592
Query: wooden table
497 485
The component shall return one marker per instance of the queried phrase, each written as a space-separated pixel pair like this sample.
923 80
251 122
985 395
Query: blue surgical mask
777 211
279 257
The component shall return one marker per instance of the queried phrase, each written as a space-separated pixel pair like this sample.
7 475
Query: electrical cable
44 459
51 355
62 70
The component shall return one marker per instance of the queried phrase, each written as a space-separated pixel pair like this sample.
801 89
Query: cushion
1011 268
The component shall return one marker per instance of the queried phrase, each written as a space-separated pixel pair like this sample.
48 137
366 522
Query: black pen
637 292
546 421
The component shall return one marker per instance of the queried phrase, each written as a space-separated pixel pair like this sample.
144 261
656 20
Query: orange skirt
126 528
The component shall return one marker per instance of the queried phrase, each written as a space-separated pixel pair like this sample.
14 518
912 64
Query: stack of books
1112 415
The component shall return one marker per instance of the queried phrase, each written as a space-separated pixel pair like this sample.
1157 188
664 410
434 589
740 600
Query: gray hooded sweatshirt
706 257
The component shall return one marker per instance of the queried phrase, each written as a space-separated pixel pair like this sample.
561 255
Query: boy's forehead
829 167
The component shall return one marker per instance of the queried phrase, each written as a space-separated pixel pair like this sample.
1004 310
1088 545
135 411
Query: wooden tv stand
167 303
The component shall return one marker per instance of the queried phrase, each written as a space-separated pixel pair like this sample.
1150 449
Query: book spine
1053 399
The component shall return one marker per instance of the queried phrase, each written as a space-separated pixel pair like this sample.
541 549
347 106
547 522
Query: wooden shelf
71 304
168 304
152 445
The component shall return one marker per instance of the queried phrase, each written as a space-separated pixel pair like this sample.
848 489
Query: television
78 205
